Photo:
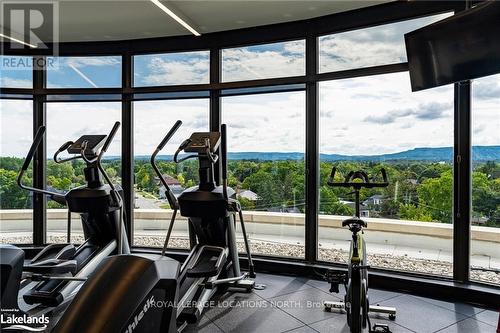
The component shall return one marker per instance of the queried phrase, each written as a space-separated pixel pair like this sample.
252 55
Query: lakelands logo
137 318
24 322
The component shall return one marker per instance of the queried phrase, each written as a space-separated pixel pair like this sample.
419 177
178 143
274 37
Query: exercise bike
46 283
150 292
355 280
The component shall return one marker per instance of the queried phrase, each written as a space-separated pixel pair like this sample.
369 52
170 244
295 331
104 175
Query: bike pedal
380 328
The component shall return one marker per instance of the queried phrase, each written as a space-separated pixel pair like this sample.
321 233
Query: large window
84 72
152 121
16 72
373 122
16 133
264 61
379 45
67 122
266 142
485 256
171 69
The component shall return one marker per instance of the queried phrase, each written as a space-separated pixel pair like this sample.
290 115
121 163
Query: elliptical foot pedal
380 328
208 262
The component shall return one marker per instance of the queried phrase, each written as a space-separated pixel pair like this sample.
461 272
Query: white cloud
373 46
69 121
11 82
91 61
249 64
264 123
16 127
163 71
153 119
404 116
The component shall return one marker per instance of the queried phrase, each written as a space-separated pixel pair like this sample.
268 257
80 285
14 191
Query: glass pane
67 122
171 69
266 143
264 61
485 255
16 134
84 72
152 121
372 122
379 45
16 72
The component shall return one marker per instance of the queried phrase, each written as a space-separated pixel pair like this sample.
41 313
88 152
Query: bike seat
354 220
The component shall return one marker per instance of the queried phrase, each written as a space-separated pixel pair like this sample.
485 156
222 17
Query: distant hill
480 154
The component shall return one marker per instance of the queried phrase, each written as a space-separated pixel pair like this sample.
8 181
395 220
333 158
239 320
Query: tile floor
293 304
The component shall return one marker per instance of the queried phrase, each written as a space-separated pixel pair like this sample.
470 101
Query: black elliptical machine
51 279
154 293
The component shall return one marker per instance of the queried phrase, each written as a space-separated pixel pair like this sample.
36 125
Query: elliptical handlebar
110 137
31 153
34 146
172 200
223 153
353 175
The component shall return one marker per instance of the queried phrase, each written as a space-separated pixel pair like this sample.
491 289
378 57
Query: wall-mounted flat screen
462 47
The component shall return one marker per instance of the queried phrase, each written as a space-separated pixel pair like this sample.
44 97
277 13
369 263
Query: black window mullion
462 179
215 103
39 160
312 151
128 145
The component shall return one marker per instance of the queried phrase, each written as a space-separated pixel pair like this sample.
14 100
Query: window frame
309 30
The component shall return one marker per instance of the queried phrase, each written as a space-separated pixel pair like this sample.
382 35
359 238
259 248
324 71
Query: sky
367 115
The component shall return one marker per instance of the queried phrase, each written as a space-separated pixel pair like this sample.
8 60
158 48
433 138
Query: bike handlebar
353 175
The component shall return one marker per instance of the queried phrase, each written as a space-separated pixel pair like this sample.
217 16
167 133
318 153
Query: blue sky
367 115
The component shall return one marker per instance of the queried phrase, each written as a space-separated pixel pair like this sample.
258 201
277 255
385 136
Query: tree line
419 191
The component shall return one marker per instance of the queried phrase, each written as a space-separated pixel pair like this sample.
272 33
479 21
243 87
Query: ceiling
132 19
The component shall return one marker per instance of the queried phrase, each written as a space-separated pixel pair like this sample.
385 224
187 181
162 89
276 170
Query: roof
247 194
171 180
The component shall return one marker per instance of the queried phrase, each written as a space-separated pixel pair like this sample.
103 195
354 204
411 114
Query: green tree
414 213
436 195
11 195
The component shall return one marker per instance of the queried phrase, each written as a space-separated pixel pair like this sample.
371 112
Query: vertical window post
312 150
39 165
128 144
215 109
462 179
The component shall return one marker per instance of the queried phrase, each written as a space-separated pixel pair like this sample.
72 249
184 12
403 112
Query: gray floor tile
469 325
205 325
305 305
250 313
465 309
323 285
421 316
279 285
488 317
375 295
338 324
303 329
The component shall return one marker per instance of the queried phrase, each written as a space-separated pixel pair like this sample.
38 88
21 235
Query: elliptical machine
51 279
154 293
